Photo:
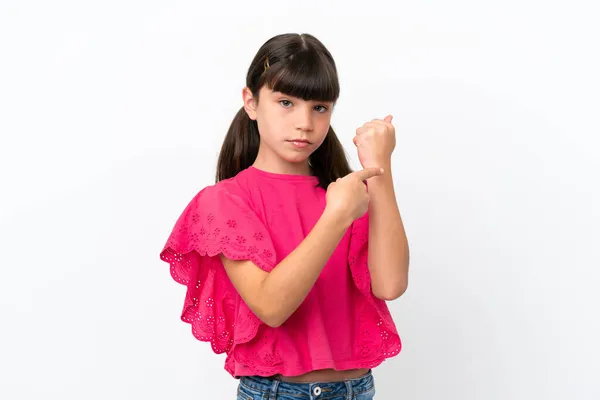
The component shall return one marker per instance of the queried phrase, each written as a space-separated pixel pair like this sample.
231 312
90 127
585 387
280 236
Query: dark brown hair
299 66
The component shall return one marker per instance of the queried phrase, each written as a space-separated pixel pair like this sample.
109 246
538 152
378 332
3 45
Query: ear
249 103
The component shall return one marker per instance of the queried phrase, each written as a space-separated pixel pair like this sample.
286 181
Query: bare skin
325 375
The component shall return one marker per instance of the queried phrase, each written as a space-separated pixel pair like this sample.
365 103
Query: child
285 271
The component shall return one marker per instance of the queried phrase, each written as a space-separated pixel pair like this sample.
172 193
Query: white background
111 118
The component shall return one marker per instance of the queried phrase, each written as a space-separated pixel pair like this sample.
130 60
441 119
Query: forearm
388 246
288 284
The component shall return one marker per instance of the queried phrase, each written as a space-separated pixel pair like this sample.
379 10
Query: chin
296 158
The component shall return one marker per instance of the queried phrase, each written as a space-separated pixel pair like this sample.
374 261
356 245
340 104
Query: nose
304 119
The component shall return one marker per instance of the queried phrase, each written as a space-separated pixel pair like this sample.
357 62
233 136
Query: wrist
386 165
335 218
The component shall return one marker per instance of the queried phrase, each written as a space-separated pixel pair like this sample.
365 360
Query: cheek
270 122
323 128
321 123
266 126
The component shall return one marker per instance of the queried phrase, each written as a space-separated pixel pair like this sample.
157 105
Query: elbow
391 292
273 322
271 317
266 310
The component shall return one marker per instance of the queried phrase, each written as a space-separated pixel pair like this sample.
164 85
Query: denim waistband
273 386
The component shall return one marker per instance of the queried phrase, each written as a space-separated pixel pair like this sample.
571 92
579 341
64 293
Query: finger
385 122
388 118
362 130
368 173
357 140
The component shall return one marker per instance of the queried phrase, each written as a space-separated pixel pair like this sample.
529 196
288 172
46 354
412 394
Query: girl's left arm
388 257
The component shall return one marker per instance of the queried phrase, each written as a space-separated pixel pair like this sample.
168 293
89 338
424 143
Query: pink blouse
262 217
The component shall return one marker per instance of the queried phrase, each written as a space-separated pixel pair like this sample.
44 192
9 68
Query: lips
299 142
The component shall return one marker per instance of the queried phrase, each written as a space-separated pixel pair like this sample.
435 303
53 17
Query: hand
375 142
347 198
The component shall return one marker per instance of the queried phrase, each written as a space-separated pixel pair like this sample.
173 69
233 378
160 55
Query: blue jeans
259 388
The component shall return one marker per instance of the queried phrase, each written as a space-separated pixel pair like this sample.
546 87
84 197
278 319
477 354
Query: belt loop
274 389
348 390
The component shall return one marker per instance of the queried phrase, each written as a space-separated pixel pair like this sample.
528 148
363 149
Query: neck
275 164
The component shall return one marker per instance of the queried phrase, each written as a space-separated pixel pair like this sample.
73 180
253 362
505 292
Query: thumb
388 118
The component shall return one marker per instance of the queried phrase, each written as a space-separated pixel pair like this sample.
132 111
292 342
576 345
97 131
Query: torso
309 205
325 375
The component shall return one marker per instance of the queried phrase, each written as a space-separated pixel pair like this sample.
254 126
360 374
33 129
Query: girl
287 259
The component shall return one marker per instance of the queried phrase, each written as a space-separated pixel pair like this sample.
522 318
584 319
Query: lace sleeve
216 222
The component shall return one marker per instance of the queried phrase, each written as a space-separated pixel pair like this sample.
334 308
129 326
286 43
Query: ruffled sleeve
217 221
377 313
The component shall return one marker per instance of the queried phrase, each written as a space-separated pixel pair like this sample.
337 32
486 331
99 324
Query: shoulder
232 192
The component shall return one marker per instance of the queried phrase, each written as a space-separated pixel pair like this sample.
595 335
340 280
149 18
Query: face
290 128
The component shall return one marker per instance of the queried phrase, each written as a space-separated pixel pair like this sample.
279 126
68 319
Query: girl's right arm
274 296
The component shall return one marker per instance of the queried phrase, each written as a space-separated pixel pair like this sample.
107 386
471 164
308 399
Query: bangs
306 76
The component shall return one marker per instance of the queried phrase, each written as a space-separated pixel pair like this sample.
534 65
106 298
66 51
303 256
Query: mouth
299 142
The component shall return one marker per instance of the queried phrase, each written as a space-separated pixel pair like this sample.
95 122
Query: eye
323 108
285 101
